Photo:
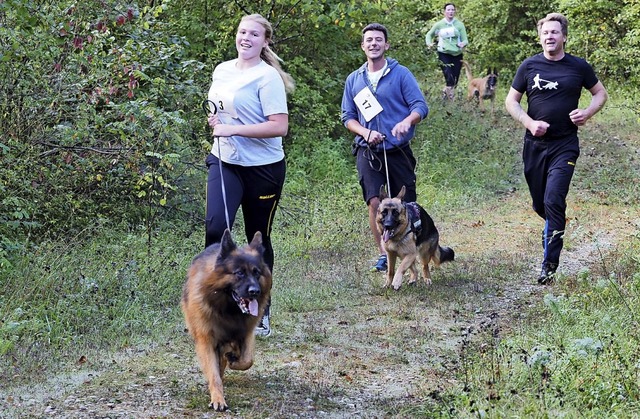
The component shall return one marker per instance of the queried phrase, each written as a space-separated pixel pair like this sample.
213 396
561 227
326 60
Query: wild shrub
97 115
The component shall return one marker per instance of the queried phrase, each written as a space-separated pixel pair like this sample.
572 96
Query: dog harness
413 213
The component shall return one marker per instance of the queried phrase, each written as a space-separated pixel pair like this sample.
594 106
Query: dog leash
370 155
211 108
386 166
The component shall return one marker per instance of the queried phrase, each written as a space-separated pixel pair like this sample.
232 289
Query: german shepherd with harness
408 232
224 297
481 88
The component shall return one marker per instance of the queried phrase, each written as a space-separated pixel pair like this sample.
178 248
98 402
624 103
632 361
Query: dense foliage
96 108
99 100
102 141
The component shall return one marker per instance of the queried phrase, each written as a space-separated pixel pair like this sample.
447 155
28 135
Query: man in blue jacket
381 104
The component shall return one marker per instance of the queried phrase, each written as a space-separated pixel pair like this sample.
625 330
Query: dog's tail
467 69
444 254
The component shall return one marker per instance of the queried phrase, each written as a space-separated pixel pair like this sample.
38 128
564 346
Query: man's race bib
367 104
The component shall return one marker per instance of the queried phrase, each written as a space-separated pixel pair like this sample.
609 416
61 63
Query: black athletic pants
548 169
256 188
451 66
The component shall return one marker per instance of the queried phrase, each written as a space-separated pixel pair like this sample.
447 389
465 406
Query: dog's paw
218 406
397 282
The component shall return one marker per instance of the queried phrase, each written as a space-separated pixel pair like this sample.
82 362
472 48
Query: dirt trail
343 374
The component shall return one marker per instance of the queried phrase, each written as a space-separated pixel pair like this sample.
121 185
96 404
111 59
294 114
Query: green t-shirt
449 34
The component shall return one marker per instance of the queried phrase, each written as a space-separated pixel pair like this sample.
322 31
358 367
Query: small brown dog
481 88
225 296
408 232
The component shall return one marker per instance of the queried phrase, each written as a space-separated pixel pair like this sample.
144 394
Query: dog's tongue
386 235
253 307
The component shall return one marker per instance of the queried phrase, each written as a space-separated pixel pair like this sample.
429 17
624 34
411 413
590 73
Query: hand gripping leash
211 108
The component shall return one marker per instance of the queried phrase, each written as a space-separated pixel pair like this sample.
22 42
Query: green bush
98 116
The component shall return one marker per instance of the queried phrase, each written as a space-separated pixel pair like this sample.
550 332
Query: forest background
100 114
102 141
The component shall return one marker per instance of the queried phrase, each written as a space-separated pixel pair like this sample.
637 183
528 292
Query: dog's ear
383 192
400 196
226 245
256 243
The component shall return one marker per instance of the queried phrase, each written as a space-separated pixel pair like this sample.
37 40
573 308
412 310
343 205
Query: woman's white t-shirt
247 97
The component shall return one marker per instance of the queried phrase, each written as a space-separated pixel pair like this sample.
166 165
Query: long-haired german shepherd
223 299
408 232
481 88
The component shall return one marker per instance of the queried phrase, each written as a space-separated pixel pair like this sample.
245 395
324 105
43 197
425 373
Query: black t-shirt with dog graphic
553 90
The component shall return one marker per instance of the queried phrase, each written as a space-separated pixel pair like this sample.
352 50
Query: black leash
211 108
371 156
386 165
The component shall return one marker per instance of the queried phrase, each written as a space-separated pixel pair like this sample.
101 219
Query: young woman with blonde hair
250 97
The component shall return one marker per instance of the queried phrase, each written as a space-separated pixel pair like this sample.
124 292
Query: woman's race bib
224 102
448 32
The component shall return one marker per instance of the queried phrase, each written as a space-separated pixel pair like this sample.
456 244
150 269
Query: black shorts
371 170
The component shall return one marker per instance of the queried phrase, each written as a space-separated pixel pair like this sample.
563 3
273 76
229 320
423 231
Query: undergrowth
572 352
69 301
574 355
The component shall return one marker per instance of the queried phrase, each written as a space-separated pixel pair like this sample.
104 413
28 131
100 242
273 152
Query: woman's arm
277 125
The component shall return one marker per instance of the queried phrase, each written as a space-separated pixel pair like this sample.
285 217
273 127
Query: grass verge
92 326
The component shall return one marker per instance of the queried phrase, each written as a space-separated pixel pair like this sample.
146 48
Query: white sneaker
263 329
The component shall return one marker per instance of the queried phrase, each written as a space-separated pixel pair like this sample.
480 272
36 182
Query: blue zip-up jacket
398 93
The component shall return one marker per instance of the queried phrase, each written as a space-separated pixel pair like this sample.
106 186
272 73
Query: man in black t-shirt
553 81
